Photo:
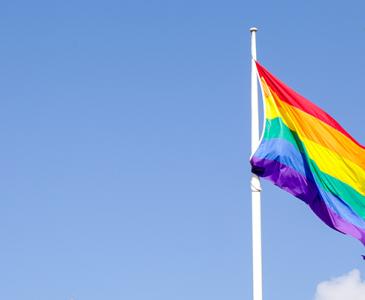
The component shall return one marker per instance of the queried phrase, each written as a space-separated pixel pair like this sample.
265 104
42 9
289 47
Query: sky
125 139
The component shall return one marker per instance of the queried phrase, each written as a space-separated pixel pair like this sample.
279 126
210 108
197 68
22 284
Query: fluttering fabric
306 152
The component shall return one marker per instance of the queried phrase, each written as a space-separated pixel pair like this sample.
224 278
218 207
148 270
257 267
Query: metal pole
255 181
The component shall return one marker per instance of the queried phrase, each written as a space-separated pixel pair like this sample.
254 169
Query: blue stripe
286 153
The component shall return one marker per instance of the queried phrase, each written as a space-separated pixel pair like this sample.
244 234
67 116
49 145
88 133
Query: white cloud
346 287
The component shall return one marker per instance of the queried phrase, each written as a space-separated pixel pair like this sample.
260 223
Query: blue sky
124 132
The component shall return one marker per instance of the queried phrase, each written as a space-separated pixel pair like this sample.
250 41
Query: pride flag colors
306 152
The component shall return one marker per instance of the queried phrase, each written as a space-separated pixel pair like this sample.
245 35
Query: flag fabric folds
306 152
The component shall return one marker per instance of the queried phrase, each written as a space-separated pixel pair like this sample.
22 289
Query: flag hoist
255 181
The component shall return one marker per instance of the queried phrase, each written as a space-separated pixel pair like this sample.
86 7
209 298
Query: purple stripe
306 190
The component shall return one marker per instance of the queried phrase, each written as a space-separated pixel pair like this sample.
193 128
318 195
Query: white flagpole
255 181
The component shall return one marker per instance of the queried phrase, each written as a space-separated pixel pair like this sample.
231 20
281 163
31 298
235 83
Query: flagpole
255 181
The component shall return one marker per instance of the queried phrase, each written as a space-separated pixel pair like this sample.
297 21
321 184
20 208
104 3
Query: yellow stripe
333 152
312 128
332 164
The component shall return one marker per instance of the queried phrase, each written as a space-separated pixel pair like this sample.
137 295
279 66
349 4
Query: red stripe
288 95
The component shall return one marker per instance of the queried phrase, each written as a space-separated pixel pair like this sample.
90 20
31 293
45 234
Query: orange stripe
291 97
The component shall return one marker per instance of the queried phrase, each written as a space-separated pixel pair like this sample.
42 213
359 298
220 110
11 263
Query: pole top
253 29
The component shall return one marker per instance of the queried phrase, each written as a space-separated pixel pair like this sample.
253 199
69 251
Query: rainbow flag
306 152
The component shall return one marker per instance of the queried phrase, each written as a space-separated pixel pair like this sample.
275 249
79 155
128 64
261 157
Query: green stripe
275 128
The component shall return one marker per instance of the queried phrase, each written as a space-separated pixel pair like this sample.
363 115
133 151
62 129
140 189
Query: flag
304 151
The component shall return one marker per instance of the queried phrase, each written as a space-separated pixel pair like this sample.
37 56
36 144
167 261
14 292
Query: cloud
346 287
